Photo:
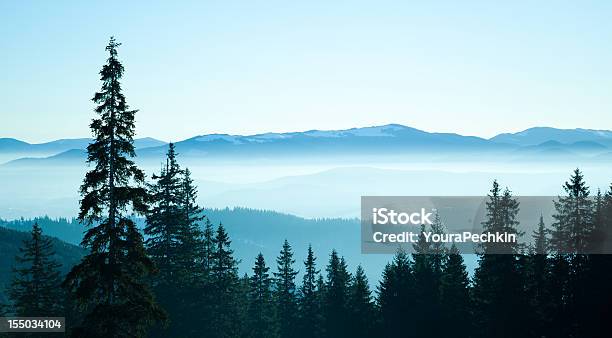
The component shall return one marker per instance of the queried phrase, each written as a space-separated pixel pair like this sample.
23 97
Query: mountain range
14 146
391 139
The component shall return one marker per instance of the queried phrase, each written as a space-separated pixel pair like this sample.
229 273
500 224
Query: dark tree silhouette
595 317
226 286
175 245
336 297
498 281
165 222
426 288
261 322
362 314
395 294
455 307
35 290
574 217
191 254
286 302
109 282
538 283
309 305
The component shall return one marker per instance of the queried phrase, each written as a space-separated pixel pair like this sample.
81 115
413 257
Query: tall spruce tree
362 313
225 288
202 300
426 288
261 321
109 281
35 290
285 297
395 294
571 231
163 243
538 283
165 222
321 294
191 235
454 298
208 249
174 244
336 296
498 295
574 217
599 273
309 310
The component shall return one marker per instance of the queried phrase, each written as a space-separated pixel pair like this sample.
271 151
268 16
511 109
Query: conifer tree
201 311
336 296
437 252
241 294
599 273
362 316
574 217
286 303
320 294
225 285
395 294
309 312
175 244
572 229
208 249
35 290
164 221
538 283
260 316
191 236
426 288
165 244
498 281
454 298
109 281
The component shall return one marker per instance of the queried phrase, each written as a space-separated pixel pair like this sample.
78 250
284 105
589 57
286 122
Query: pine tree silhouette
362 314
109 281
165 222
336 297
35 290
498 280
286 302
261 320
395 295
225 288
309 307
455 306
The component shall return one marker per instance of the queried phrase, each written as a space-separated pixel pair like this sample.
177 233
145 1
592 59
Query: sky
244 67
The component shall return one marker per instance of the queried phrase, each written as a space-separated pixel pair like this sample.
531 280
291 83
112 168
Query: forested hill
251 231
68 230
10 242
241 222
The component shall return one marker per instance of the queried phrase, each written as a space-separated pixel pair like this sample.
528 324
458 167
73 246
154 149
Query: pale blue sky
472 67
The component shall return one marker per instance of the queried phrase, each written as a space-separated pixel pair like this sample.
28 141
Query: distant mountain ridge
539 135
376 140
8 145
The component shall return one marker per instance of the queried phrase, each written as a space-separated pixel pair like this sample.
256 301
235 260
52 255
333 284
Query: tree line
179 277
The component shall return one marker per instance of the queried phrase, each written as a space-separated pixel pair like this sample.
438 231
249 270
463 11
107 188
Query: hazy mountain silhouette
539 143
539 135
11 145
